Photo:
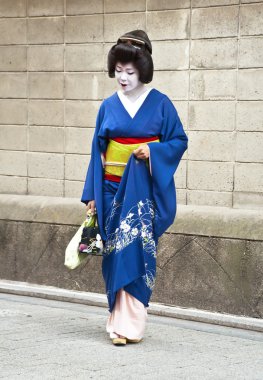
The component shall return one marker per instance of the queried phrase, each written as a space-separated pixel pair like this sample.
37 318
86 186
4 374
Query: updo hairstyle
131 52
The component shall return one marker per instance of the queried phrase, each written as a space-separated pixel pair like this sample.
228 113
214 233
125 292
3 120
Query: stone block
236 260
46 139
251 19
13 85
74 189
210 176
47 187
250 116
45 58
186 273
13 111
13 31
181 196
116 24
46 165
180 175
213 54
250 84
124 6
78 7
45 245
168 25
212 3
13 163
171 55
250 52
84 86
249 147
45 8
46 112
46 85
84 58
78 140
13 184
211 146
106 49
248 177
46 30
110 86
156 5
214 22
209 198
213 84
76 166
14 8
84 28
13 137
246 199
13 58
81 113
173 83
182 110
251 269
210 115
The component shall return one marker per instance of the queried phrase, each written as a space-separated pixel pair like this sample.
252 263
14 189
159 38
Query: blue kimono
144 202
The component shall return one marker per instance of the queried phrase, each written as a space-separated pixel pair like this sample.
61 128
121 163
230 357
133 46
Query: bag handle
92 219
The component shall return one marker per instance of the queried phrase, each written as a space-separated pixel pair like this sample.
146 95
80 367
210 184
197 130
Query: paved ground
43 339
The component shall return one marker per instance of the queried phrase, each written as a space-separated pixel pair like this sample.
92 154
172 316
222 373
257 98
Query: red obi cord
111 177
134 140
127 140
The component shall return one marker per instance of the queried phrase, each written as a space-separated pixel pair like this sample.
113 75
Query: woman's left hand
142 152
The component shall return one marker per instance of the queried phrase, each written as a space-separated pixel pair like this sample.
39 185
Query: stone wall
208 59
210 259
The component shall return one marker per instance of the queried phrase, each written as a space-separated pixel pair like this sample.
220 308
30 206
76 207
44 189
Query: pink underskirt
128 317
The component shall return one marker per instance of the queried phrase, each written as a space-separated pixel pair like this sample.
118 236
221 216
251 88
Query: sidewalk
47 339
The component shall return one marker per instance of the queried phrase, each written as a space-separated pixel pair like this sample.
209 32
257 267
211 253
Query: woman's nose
123 76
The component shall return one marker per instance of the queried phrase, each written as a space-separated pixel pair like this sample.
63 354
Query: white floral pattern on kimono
136 225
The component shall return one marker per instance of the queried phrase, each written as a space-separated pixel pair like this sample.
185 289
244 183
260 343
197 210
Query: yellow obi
118 154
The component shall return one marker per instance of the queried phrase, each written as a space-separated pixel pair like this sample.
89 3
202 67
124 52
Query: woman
137 146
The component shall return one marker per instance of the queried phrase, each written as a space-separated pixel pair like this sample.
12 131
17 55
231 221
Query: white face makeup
127 76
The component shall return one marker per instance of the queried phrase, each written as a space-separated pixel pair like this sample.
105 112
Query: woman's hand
142 152
91 206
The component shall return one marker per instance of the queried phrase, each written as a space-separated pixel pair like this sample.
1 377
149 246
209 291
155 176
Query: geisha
138 143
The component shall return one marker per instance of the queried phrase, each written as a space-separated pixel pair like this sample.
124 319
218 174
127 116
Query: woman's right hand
91 206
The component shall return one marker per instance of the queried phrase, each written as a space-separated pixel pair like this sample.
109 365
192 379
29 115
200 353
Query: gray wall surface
208 58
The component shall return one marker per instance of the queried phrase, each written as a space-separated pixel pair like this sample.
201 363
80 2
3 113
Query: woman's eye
119 71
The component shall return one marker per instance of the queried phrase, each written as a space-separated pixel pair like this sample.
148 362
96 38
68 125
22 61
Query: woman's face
127 76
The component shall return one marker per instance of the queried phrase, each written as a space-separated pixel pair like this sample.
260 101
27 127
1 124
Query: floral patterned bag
91 242
86 241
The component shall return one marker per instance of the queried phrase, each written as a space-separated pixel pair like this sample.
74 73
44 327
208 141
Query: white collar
133 107
126 97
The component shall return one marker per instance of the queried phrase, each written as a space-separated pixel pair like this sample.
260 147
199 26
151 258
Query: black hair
125 52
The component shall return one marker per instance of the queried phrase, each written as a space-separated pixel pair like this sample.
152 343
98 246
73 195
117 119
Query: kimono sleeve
164 159
88 192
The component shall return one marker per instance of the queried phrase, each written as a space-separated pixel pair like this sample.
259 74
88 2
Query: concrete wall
208 59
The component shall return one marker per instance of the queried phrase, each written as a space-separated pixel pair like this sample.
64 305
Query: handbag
91 242
86 241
